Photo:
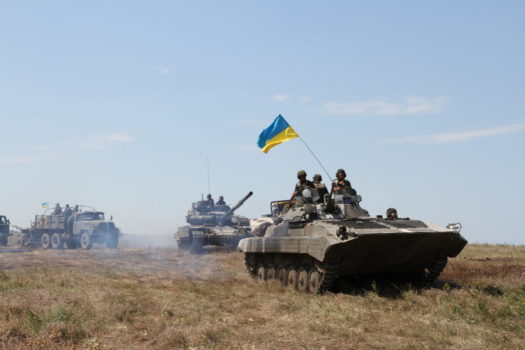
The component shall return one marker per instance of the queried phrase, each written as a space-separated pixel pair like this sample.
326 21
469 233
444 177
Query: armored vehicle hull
4 230
311 251
213 226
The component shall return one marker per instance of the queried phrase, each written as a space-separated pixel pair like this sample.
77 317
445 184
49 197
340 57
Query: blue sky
118 104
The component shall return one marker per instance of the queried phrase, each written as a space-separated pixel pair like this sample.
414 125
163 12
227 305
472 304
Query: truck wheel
45 241
112 241
56 241
85 241
3 240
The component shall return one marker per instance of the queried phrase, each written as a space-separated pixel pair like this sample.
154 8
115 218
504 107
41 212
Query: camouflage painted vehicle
4 230
312 245
213 226
58 231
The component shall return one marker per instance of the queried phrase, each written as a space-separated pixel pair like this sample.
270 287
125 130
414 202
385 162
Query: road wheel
85 241
314 281
45 241
261 272
291 278
282 275
270 272
112 241
435 269
302 280
56 241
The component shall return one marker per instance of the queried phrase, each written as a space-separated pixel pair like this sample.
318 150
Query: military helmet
318 177
341 171
301 173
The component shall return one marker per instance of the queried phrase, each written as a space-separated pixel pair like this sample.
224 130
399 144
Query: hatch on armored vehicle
210 225
311 245
4 230
70 230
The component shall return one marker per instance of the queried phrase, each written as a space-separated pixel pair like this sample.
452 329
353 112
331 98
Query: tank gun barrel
235 207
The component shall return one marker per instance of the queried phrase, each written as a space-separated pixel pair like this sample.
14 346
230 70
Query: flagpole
317 159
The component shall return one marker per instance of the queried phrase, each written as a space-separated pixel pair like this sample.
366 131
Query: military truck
311 245
77 229
213 226
4 230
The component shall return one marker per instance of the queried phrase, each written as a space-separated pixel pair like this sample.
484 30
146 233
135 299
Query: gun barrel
236 206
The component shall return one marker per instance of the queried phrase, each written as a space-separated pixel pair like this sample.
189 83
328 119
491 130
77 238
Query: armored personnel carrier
4 230
70 230
311 245
213 226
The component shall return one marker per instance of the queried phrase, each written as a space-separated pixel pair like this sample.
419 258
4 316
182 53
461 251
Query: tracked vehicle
312 245
213 226
4 230
73 230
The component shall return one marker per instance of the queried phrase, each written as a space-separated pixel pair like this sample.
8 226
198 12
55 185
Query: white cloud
102 141
280 97
305 99
463 135
164 70
380 106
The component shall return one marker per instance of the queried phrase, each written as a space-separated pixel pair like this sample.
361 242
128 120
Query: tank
312 244
213 226
4 230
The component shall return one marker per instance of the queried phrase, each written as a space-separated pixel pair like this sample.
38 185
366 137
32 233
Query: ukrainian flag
45 205
278 132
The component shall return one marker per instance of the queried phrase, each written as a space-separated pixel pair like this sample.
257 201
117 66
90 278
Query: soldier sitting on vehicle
76 209
58 209
220 202
302 184
67 211
209 201
320 187
341 186
391 214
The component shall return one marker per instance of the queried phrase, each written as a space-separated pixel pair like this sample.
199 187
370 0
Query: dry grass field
164 299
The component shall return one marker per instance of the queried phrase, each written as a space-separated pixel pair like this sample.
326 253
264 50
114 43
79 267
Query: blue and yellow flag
45 205
278 132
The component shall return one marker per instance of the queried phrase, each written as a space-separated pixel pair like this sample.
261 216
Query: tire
85 241
45 241
112 241
57 241
3 240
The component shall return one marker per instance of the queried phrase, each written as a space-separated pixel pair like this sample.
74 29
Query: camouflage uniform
342 186
320 187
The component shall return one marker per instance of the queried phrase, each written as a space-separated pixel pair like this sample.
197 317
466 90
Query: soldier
67 211
391 214
341 185
220 202
58 209
210 201
320 187
302 184
77 209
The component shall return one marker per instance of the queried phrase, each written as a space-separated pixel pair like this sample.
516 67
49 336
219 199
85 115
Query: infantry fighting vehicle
71 231
311 245
4 230
215 226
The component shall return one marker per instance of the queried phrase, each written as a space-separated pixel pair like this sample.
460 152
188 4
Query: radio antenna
208 166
